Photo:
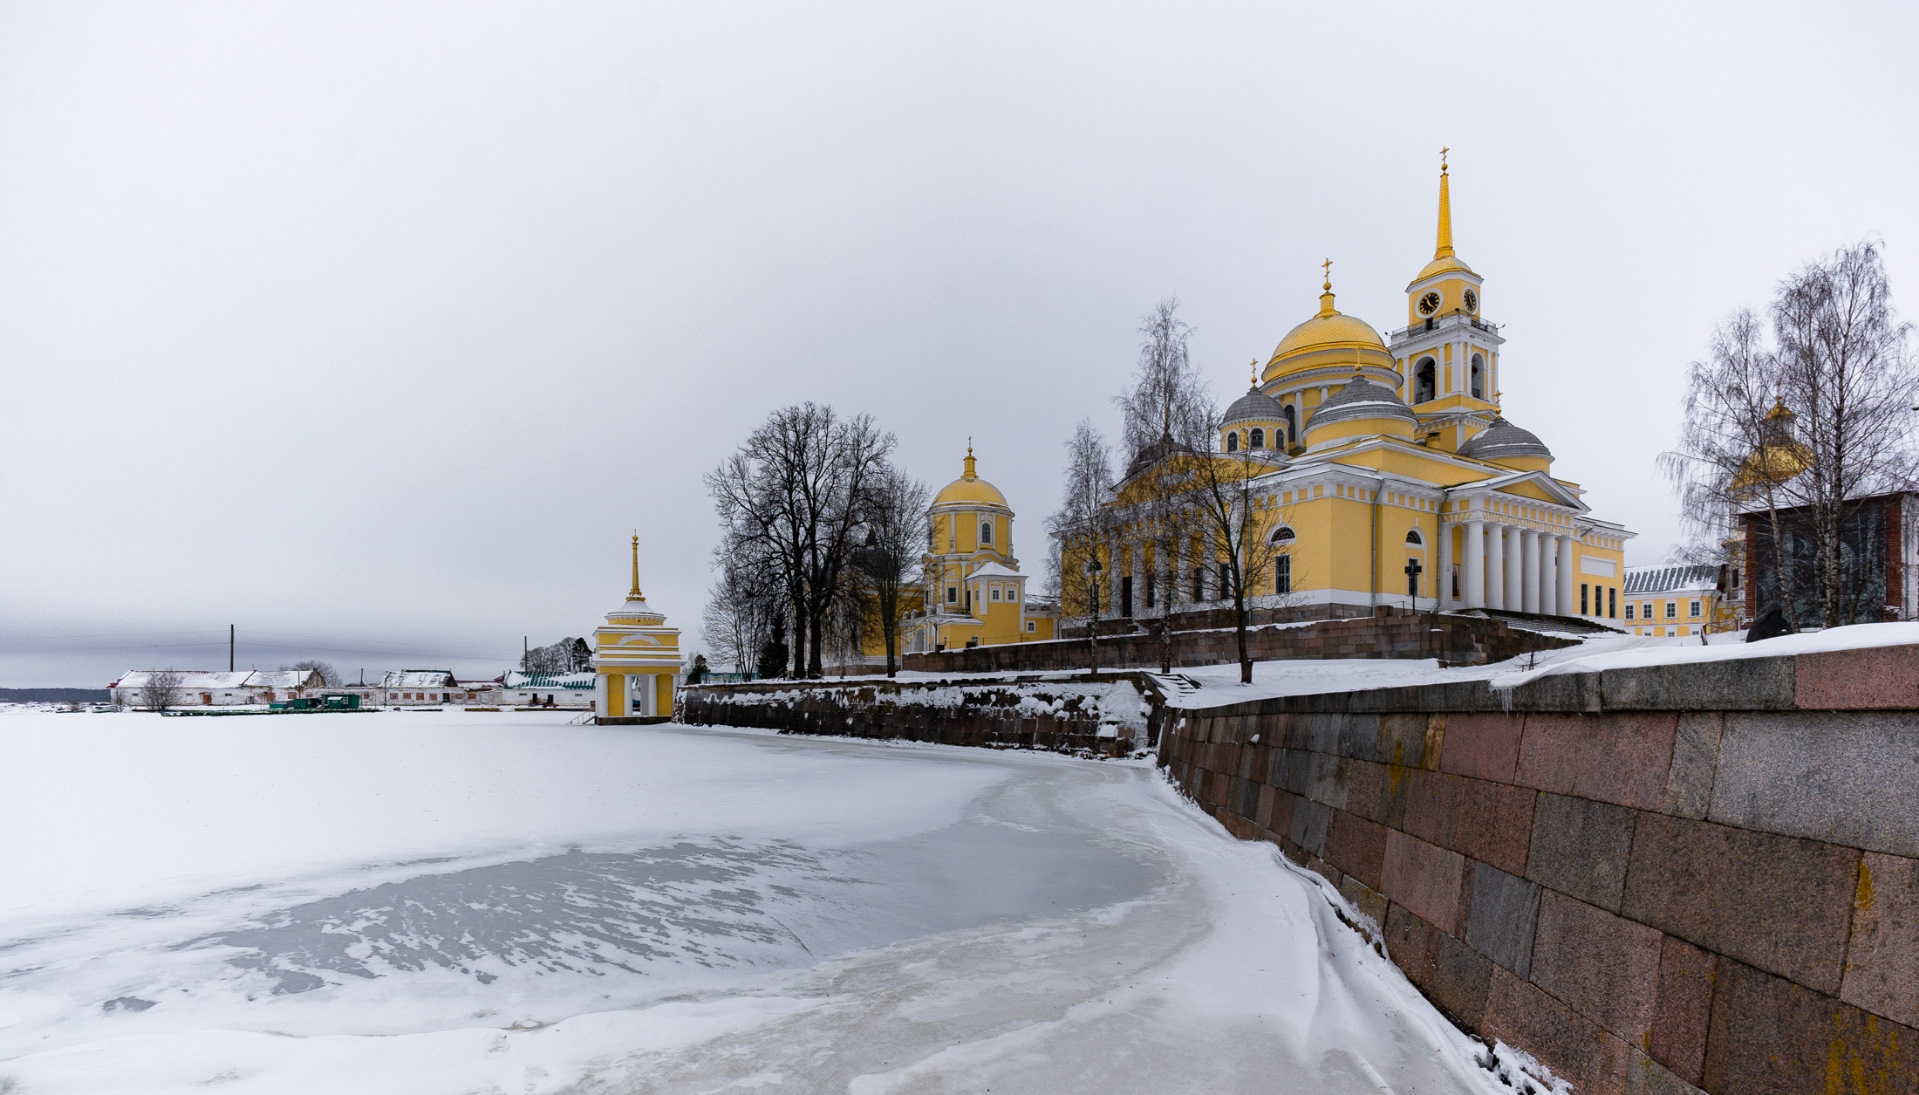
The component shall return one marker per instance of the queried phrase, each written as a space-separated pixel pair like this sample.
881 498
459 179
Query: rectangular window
1283 574
1199 584
1672 610
1032 626
1585 605
1150 589
996 593
1612 601
1629 612
952 595
1694 607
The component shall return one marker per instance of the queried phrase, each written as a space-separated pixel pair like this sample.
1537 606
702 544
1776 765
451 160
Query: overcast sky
375 330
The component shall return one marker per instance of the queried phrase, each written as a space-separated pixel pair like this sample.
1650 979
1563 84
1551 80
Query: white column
1530 539
1548 574
1567 606
1515 569
1112 579
1443 582
1474 566
1495 570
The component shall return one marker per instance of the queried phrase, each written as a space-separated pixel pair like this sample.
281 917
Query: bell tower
1448 354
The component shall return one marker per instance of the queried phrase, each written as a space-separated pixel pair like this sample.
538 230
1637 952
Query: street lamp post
1092 631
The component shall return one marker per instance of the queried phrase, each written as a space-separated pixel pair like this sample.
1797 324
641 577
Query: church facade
1384 474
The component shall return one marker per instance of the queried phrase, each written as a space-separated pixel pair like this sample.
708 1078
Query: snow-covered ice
456 902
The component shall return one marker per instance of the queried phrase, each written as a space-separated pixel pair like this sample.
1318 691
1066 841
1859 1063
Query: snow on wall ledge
1666 870
1107 716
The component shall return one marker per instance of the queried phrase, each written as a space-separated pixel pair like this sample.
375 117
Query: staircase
1569 626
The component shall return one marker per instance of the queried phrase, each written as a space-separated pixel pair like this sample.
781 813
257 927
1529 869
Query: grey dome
1361 398
1254 406
1505 441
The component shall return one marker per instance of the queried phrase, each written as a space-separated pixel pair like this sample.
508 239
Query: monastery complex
1382 467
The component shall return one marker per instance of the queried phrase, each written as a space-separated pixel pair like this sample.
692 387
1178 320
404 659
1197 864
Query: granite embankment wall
1667 879
1104 715
1392 633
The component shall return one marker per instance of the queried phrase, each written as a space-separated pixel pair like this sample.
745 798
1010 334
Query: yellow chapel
1385 474
972 591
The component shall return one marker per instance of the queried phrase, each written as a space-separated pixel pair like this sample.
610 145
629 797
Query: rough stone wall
1454 640
1667 879
1066 717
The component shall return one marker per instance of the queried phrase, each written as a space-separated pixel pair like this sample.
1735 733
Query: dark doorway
1126 597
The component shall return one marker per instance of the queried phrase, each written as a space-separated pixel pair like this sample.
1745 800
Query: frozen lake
425 902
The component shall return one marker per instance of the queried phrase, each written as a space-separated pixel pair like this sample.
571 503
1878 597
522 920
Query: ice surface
491 902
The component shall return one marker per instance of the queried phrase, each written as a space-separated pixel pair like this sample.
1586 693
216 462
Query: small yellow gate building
637 657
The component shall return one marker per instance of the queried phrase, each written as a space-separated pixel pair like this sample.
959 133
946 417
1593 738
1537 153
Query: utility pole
525 651
229 648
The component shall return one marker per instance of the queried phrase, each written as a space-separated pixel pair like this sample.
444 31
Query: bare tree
1736 452
1167 412
1079 528
737 622
895 544
329 676
161 691
569 655
1236 521
1845 365
1168 397
1804 432
796 493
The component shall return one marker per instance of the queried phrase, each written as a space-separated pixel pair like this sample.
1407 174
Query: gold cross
1442 158
1328 267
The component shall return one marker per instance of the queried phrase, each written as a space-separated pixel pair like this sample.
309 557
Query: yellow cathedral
1385 475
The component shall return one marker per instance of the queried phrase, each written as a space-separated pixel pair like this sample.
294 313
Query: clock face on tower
1472 301
1429 304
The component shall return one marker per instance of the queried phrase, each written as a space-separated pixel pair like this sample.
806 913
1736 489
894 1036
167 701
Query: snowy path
456 903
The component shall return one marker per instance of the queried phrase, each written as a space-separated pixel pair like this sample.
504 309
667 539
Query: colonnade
1511 567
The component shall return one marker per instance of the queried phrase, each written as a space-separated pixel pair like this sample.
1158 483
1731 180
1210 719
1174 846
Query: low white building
201 688
556 690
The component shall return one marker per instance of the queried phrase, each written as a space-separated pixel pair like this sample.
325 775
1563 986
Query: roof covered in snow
419 678
1685 579
567 681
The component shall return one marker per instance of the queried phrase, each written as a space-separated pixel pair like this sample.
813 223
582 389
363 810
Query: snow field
465 902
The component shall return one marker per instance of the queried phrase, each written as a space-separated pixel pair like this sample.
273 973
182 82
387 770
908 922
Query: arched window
1232 441
1413 538
1479 376
986 532
1292 425
1425 380
1283 535
1258 438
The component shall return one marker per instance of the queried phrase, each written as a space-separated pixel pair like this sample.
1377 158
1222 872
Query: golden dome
1445 264
970 489
1331 338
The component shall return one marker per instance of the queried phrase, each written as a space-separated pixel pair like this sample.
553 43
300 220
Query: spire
1326 292
634 594
1444 249
970 473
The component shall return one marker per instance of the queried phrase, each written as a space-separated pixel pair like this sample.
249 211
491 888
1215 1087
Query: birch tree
1079 527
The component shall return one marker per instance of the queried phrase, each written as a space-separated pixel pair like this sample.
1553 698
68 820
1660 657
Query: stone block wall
1671 879
1108 715
1393 633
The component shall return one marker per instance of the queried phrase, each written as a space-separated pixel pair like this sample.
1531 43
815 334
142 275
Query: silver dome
1504 441
1361 398
1254 406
